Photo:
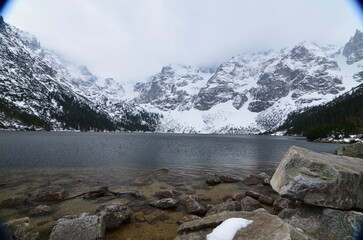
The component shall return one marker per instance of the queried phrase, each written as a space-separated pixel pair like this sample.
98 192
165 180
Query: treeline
341 117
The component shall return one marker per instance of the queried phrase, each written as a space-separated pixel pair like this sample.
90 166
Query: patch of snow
227 229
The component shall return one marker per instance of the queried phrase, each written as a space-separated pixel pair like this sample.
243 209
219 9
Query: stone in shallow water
213 180
19 229
113 215
165 194
188 218
12 202
50 194
228 179
165 203
41 210
79 227
225 206
193 206
320 179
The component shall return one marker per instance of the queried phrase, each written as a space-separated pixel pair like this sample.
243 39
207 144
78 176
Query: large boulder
79 227
264 227
113 215
354 150
19 229
320 179
326 223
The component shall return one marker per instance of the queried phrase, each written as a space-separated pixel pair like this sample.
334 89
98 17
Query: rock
228 179
165 203
282 203
354 150
188 218
320 179
50 194
239 196
102 191
193 206
79 227
265 177
165 194
41 210
264 227
265 200
249 204
286 213
139 217
325 223
12 202
213 180
254 179
157 216
225 206
163 170
113 215
253 194
19 229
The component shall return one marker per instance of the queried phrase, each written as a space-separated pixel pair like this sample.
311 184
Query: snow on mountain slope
39 88
252 93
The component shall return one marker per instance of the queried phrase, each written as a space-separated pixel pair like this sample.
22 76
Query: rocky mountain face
252 93
39 89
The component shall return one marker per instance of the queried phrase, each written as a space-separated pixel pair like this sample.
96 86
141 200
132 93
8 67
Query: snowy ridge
250 93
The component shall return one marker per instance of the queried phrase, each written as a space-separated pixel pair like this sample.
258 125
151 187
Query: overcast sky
132 39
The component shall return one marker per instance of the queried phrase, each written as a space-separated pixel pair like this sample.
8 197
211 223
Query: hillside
342 116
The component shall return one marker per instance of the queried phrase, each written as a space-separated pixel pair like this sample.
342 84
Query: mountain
41 90
342 116
251 93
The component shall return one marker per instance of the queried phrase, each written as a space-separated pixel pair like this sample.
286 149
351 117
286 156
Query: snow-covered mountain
39 89
252 93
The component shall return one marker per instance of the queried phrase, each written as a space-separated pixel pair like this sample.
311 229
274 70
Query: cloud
132 39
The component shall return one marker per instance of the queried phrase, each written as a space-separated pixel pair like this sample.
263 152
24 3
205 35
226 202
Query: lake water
71 149
82 162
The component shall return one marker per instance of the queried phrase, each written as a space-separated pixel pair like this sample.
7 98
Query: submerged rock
165 203
326 223
79 227
165 194
249 204
41 210
255 179
19 229
264 227
50 194
228 179
320 179
113 215
193 206
12 202
213 180
239 196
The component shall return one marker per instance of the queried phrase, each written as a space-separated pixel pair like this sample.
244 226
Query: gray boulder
320 179
113 215
193 206
326 223
354 150
19 229
264 227
79 227
225 206
249 204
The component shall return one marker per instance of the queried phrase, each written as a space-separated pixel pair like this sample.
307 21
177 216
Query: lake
141 162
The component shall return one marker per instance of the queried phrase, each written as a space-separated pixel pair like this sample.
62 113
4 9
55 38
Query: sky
131 40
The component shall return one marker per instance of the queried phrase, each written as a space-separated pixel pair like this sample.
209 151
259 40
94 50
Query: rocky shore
311 195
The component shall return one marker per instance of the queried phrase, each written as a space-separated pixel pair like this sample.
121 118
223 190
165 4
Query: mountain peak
353 50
